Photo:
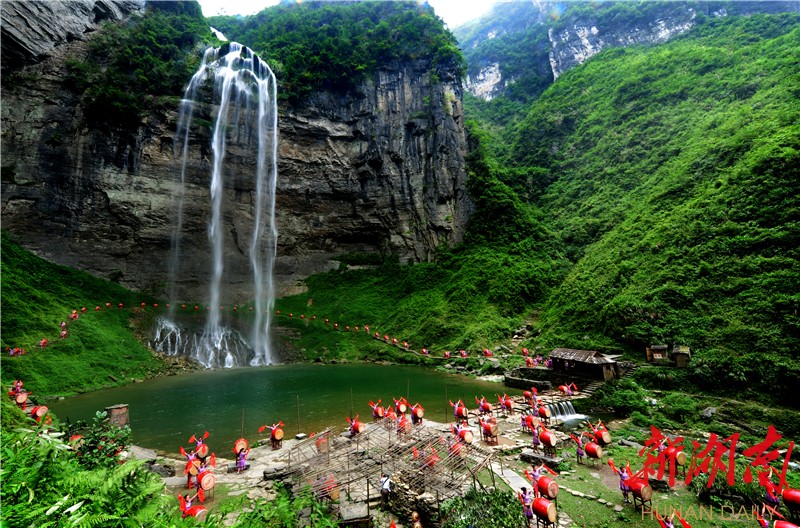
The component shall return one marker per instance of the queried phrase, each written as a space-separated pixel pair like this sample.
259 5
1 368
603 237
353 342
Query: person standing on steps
386 489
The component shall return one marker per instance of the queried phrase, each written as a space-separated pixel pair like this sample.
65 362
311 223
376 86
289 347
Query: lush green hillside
313 45
667 177
670 175
101 350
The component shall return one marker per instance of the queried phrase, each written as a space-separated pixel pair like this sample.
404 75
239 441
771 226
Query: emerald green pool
232 403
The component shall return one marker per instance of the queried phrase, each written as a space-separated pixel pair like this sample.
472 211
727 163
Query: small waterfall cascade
564 411
244 112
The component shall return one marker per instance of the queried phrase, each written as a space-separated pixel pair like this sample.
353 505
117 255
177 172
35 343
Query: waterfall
244 112
564 411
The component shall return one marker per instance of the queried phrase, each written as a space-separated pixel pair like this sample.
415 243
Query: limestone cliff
542 39
31 30
378 169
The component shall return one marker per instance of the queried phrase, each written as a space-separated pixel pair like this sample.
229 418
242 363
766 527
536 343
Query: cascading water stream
564 411
244 99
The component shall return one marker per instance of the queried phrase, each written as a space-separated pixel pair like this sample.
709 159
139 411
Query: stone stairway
589 389
629 368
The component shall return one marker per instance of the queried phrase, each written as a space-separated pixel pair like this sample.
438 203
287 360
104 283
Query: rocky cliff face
379 170
31 30
575 35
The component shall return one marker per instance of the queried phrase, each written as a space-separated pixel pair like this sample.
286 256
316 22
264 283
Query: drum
641 489
277 434
379 412
491 430
206 479
240 444
466 436
544 412
400 407
548 438
544 509
322 445
679 456
21 398
202 451
39 411
603 437
563 388
593 450
418 412
461 412
193 467
547 487
404 427
198 512
791 497
414 516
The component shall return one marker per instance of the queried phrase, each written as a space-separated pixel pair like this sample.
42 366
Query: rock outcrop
31 30
378 169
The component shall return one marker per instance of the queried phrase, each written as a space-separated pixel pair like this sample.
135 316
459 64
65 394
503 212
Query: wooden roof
581 356
678 349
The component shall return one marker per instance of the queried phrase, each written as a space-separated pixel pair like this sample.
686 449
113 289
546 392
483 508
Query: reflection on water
231 403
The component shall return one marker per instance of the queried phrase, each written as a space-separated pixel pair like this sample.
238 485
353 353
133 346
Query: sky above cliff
453 12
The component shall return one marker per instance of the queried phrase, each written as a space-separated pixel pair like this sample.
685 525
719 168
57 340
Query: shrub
101 442
679 406
479 508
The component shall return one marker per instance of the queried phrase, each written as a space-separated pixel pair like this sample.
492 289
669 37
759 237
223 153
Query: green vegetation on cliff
315 45
129 66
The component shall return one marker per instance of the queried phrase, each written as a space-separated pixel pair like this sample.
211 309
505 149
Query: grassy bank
101 349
